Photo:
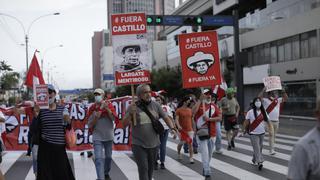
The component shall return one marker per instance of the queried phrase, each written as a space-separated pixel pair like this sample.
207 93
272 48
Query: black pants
53 162
145 158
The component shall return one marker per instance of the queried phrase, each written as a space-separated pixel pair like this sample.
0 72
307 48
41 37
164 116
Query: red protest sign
132 23
199 59
42 96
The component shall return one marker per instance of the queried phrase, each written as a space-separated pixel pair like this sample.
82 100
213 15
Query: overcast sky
70 65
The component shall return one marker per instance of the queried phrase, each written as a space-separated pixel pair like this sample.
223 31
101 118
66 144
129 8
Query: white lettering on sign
200 79
130 19
121 136
198 42
23 135
125 28
133 80
132 74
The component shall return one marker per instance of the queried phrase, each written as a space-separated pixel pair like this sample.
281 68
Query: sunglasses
50 91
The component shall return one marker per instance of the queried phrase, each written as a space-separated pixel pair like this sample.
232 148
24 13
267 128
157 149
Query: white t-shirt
274 114
260 129
168 111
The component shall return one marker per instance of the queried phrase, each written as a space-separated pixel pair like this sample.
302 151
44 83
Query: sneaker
207 177
82 153
272 152
232 144
156 166
229 148
218 151
107 177
162 166
191 161
253 162
195 151
260 165
90 154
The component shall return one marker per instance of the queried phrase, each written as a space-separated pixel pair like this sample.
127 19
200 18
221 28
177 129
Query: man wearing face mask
272 104
145 140
230 110
52 144
101 116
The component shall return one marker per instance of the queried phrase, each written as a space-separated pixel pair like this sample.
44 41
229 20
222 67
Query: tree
8 79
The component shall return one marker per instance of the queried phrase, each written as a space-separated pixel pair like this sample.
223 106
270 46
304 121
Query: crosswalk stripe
9 159
288 136
84 167
30 175
180 170
225 167
277 140
264 151
127 165
266 164
280 146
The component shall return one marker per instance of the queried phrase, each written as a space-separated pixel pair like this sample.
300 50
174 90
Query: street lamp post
44 53
26 33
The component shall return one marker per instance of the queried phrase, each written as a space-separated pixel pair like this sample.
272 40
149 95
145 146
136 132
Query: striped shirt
52 125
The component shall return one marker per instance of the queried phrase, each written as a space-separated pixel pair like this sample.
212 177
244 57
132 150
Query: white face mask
257 104
98 99
51 100
207 101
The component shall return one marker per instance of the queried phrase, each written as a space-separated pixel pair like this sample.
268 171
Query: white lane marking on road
127 164
180 170
224 167
84 167
30 175
9 159
264 151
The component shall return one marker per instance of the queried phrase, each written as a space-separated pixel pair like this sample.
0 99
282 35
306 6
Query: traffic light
186 20
154 20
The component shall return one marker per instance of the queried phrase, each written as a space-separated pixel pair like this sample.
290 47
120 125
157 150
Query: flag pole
133 103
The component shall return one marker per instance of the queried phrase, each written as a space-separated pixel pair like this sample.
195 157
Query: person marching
272 105
145 139
164 136
230 110
207 114
101 116
184 125
254 122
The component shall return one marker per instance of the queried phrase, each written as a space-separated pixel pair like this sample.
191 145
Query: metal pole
27 61
237 63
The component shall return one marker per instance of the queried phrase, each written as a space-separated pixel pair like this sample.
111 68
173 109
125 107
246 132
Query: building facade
280 38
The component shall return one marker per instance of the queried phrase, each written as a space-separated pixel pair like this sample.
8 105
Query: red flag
34 75
220 89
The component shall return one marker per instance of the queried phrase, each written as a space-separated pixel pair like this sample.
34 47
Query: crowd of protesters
195 119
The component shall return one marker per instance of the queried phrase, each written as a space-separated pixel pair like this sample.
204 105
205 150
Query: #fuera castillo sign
131 52
200 59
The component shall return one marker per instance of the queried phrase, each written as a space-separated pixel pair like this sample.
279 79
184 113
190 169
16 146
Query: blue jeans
163 145
206 149
102 162
218 136
34 151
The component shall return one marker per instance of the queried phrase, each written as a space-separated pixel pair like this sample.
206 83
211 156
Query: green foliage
9 80
4 66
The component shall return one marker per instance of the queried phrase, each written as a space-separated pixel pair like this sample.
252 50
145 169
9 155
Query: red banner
17 127
131 23
200 59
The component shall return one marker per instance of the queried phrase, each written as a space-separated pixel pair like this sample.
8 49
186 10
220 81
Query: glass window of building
250 57
267 53
280 50
287 49
313 43
261 58
273 52
304 44
295 47
255 55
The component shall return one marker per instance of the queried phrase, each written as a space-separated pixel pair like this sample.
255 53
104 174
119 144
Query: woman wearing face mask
255 119
52 161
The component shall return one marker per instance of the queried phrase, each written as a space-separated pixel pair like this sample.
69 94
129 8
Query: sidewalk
295 126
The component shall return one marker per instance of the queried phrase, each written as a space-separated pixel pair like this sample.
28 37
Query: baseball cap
98 91
51 87
207 91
